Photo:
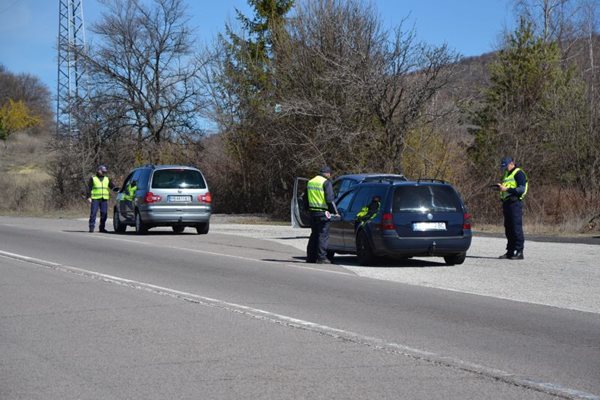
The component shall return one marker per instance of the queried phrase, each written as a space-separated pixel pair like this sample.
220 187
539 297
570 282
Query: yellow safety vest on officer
509 181
130 192
100 188
316 194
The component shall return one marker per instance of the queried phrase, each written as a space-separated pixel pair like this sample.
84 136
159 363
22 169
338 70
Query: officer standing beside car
99 187
513 189
368 212
321 205
129 195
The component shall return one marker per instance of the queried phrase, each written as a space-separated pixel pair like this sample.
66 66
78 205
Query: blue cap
505 161
325 170
102 168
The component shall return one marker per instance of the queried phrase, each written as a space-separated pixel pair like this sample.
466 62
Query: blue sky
28 28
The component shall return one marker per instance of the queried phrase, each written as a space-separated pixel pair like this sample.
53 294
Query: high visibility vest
100 188
510 182
130 194
365 211
316 194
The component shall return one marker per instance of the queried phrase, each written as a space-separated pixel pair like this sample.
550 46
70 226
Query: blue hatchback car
413 219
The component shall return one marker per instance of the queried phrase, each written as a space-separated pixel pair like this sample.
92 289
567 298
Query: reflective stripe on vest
510 182
100 188
316 194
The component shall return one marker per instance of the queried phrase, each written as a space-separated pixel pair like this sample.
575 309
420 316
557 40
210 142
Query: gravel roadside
559 274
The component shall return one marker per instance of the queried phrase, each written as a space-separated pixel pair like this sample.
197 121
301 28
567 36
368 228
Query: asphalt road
227 316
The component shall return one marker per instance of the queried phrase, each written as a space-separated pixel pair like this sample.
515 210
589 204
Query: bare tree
554 20
144 65
348 87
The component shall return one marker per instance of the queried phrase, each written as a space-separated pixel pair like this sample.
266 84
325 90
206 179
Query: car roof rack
431 180
397 178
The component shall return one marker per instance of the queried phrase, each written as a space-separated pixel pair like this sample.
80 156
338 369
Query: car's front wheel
118 225
455 258
140 227
364 250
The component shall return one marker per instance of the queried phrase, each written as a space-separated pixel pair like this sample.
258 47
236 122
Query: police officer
513 189
368 212
320 198
129 195
99 187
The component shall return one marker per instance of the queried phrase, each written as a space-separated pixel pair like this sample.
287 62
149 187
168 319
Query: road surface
227 316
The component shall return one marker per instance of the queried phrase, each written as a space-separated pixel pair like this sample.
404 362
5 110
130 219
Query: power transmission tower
71 43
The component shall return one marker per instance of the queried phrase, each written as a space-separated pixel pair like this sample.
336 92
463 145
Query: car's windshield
426 198
178 179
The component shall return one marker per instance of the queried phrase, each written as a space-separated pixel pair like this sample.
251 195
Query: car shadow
132 233
352 261
483 258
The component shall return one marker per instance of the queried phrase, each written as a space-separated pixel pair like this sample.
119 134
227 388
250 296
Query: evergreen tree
518 115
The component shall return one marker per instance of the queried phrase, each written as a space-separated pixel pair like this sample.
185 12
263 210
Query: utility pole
71 43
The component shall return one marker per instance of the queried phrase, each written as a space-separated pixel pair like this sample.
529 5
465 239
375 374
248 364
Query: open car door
299 207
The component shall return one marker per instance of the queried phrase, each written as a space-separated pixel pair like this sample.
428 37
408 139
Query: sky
29 28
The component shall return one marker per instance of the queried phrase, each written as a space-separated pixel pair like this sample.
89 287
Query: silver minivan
163 195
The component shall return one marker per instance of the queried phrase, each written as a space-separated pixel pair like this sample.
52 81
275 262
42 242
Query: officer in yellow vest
99 187
129 195
513 189
320 198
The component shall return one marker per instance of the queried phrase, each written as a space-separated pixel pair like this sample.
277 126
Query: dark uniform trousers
319 236
513 224
101 205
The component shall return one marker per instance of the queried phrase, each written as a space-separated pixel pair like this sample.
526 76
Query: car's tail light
205 198
387 222
151 198
467 221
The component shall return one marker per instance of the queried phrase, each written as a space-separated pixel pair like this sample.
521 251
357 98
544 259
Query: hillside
24 160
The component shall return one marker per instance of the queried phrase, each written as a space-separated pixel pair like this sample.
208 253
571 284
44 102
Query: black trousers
319 236
513 225
96 205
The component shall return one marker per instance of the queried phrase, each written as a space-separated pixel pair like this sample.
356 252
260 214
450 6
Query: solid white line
340 334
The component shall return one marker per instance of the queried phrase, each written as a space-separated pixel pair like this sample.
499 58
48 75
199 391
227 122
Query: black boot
507 256
518 255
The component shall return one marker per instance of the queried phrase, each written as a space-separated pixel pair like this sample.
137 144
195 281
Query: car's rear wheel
203 228
118 225
364 250
455 258
178 228
140 227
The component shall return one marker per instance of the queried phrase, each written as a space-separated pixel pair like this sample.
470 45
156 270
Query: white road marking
339 334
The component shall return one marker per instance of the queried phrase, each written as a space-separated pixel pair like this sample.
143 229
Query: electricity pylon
71 43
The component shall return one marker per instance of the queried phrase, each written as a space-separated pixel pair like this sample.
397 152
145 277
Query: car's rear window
426 198
178 179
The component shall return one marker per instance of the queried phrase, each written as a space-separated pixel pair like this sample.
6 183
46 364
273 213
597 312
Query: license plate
180 199
429 226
